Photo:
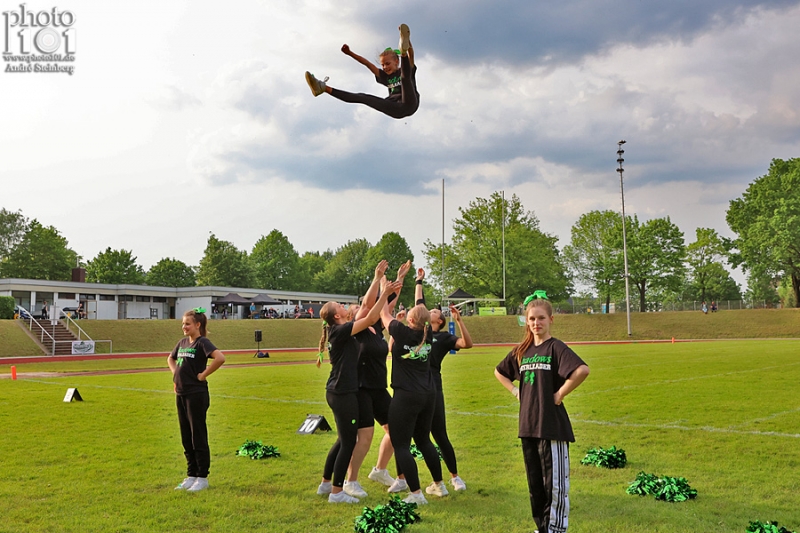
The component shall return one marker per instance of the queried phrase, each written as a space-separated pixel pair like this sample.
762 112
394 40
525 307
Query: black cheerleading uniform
403 99
441 344
342 396
411 410
192 401
373 397
544 428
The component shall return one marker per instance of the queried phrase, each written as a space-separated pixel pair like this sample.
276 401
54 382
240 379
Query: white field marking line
161 391
682 380
707 429
765 418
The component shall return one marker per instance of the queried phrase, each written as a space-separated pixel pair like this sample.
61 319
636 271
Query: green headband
536 295
199 309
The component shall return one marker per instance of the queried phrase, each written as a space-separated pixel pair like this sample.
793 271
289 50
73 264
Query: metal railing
69 322
42 331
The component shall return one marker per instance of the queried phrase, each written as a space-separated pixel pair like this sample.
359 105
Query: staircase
58 331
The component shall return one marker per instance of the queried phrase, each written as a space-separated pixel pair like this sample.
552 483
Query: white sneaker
324 488
437 489
458 483
200 483
416 497
317 86
186 483
405 38
341 497
354 488
399 485
381 476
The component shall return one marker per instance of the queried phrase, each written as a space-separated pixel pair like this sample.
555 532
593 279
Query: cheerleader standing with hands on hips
189 374
547 371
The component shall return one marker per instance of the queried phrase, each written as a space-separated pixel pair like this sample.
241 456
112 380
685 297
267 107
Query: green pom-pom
610 458
669 489
389 518
418 454
766 527
257 450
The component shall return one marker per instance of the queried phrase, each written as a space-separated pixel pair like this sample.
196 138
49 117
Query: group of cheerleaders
356 391
357 394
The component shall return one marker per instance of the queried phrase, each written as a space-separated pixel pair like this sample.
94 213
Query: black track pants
439 432
547 467
192 411
405 107
410 416
345 413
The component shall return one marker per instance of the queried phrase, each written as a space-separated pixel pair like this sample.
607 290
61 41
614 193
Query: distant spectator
713 306
81 311
44 310
704 308
252 310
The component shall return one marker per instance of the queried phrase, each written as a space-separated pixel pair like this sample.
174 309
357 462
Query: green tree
766 220
347 272
594 254
311 264
42 253
223 265
13 227
474 260
709 278
275 262
762 288
116 267
394 248
171 273
656 254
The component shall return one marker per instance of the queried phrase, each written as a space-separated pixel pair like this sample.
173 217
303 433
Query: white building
108 302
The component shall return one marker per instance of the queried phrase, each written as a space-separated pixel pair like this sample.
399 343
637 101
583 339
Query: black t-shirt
372 358
343 352
393 82
192 358
441 344
411 369
544 369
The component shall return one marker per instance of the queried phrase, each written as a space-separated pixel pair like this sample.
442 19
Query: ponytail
327 313
323 344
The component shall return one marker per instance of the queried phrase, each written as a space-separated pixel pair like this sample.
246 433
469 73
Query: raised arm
419 296
386 310
372 293
401 275
364 61
466 340
376 312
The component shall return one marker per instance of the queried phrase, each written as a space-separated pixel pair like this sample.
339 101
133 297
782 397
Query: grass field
725 415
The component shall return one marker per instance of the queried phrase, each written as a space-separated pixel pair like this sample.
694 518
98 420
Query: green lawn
725 415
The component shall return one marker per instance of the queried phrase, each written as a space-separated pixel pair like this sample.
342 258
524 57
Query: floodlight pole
620 151
503 211
443 293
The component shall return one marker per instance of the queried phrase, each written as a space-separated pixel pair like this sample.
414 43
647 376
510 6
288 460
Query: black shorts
373 404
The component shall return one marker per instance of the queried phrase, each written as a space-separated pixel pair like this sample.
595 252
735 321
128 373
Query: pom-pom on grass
257 450
668 489
389 518
418 454
766 527
610 458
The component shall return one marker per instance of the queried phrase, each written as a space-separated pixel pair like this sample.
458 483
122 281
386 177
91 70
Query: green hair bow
199 309
536 295
395 50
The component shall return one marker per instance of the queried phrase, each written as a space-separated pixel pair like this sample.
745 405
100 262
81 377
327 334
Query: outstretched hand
403 270
345 49
455 314
420 274
380 270
394 286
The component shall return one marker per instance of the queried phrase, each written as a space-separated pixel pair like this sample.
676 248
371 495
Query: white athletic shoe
200 483
405 38
458 483
354 488
381 476
186 483
324 488
341 497
437 489
416 497
317 86
399 485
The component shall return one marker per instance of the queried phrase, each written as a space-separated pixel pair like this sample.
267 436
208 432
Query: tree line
662 267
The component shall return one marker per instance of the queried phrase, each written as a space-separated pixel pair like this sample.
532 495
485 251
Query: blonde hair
419 317
198 318
328 314
520 349
389 52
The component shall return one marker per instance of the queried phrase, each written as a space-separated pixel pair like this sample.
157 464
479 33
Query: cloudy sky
185 118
